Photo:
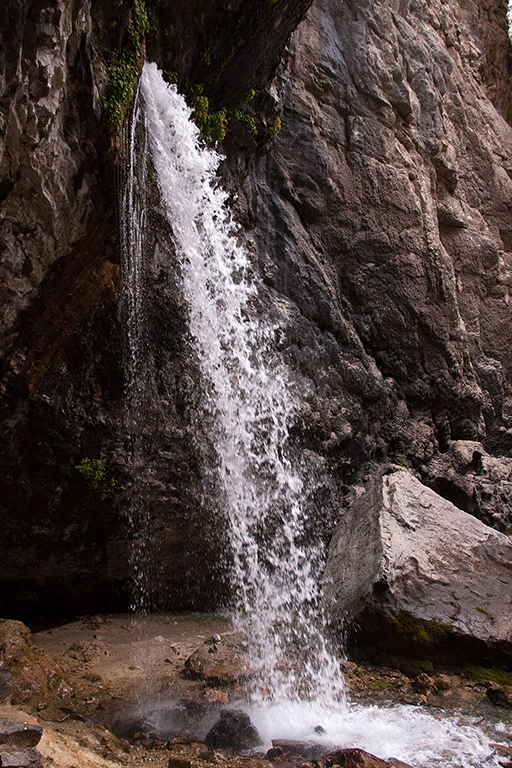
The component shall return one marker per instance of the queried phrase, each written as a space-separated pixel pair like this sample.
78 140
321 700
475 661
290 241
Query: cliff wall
379 219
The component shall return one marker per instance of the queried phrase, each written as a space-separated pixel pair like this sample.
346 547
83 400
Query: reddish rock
358 758
178 762
424 684
212 695
225 668
34 674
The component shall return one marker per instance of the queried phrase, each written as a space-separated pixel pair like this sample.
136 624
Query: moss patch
475 672
123 70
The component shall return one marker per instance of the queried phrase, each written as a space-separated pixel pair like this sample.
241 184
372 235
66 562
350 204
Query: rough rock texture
19 735
475 482
382 213
418 558
358 758
378 220
67 547
232 731
34 676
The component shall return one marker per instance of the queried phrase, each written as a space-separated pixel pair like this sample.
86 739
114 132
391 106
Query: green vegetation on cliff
124 68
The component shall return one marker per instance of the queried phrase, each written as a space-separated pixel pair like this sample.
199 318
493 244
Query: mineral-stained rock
233 731
33 673
434 573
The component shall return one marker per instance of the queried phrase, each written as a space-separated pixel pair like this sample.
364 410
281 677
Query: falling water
274 571
274 575
132 223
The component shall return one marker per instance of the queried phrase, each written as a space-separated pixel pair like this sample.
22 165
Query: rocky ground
114 691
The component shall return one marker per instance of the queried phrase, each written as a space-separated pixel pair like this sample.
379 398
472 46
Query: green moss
486 614
426 633
123 70
441 683
92 471
378 685
410 667
170 76
212 125
206 57
238 116
475 672
248 95
275 127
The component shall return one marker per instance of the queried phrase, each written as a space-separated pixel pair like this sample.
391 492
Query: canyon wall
379 222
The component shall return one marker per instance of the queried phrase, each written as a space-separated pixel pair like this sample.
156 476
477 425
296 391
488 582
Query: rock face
381 235
419 559
379 223
67 546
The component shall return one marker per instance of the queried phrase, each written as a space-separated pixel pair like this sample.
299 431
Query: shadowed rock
233 731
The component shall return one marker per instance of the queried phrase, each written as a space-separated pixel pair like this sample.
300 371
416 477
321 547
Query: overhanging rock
420 575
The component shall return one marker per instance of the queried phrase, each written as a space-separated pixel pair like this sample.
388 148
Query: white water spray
132 216
275 574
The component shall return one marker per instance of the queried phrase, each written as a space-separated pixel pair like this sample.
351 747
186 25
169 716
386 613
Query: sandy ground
134 657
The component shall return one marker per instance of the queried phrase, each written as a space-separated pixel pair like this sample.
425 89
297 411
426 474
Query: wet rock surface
110 695
233 731
413 558
378 220
358 758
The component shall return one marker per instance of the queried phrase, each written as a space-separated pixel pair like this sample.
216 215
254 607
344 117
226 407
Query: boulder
420 574
233 731
32 674
19 735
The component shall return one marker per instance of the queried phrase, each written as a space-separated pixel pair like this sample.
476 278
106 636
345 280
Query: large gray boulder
405 558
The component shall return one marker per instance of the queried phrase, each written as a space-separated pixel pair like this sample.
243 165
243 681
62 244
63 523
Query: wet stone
234 731
500 695
306 750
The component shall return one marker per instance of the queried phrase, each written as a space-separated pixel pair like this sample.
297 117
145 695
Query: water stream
132 216
273 569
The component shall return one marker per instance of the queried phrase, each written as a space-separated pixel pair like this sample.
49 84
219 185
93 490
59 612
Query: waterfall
274 574
274 567
132 216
